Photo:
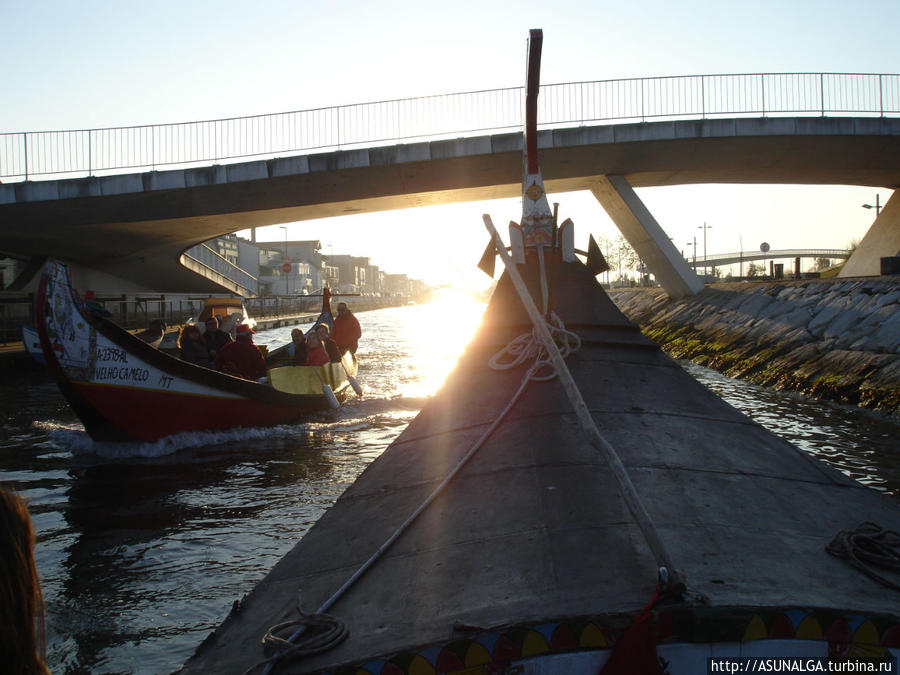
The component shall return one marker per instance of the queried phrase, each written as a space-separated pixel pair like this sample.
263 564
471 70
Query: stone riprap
834 339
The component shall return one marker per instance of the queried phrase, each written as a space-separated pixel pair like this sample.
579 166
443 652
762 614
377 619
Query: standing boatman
346 331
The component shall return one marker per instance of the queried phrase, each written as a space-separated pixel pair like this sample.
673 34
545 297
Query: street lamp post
286 274
694 263
877 206
704 227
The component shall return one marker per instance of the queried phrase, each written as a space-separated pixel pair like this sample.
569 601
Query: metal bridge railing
27 155
718 259
211 259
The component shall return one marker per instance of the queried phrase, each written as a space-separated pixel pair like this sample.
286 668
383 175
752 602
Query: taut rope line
288 646
668 573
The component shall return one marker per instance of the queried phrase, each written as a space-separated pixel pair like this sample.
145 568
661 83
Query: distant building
352 273
396 284
227 246
248 256
290 268
294 268
331 276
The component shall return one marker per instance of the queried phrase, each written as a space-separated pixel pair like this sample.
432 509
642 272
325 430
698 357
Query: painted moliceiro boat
590 508
125 389
32 343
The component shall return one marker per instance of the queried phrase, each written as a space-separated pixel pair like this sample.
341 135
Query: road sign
764 247
286 267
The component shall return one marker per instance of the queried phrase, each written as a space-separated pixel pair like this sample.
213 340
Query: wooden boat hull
529 560
32 343
124 389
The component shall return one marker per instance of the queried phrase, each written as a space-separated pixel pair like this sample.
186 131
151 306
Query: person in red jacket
346 331
241 358
315 352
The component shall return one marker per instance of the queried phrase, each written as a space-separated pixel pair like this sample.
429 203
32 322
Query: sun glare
445 327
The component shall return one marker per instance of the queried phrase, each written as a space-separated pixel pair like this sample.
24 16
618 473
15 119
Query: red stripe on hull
148 415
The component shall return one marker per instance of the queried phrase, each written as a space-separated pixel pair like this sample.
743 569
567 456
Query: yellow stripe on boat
307 379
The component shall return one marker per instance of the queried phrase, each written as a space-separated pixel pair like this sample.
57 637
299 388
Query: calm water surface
143 548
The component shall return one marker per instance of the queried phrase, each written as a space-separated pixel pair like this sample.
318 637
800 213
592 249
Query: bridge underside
136 226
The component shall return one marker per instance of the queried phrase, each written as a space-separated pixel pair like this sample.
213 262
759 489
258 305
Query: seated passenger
241 357
214 337
193 348
297 348
315 352
334 354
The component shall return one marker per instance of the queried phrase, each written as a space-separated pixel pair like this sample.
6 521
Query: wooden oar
327 391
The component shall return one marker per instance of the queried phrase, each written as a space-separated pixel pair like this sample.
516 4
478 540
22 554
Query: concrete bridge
720 259
136 226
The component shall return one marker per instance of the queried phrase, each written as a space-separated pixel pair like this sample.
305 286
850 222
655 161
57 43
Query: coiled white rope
320 632
528 346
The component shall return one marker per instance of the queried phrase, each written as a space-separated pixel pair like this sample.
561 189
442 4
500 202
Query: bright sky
97 63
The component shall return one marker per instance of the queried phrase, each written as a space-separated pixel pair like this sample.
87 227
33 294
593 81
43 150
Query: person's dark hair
21 604
187 332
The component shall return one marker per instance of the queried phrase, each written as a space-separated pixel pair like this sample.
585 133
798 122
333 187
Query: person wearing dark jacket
215 338
241 357
297 348
331 348
346 331
193 348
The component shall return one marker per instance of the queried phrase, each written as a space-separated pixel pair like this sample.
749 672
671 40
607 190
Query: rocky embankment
835 339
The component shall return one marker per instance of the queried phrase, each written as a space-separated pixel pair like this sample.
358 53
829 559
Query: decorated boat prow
572 501
32 343
124 389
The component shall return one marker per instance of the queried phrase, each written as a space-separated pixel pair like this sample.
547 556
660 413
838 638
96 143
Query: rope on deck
868 546
286 646
669 578
528 346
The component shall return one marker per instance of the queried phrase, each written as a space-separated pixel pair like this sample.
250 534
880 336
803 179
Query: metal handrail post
822 93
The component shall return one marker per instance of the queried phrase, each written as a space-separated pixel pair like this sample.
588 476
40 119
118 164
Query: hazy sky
91 64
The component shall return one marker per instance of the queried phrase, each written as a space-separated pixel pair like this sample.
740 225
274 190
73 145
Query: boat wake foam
359 415
78 442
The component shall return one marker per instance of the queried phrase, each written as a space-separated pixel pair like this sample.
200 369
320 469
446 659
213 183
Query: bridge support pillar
882 240
641 230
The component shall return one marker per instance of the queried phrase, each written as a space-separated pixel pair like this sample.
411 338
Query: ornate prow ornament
538 229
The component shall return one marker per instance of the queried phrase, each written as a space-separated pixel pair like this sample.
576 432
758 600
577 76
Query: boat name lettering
122 374
165 381
111 354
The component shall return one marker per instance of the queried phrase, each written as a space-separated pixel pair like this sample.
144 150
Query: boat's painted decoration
32 343
537 230
684 637
124 389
